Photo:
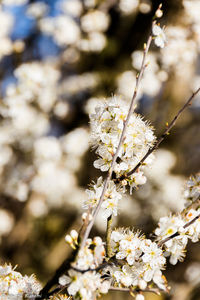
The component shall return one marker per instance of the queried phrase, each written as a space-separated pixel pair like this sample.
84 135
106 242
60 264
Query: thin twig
100 267
177 233
148 290
108 236
66 265
166 132
194 205
138 80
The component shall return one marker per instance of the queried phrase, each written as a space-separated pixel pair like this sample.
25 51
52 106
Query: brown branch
163 136
148 290
100 267
66 265
108 237
194 205
85 230
108 177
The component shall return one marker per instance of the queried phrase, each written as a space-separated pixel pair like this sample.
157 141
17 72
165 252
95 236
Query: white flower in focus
124 276
111 198
86 285
110 207
159 280
160 38
127 245
13 284
91 255
64 279
145 259
153 255
175 248
193 231
107 124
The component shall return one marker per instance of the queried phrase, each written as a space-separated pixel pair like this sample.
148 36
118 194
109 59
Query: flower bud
74 234
139 297
68 239
159 13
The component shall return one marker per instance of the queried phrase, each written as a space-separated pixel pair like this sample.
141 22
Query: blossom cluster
192 191
111 199
176 224
143 261
87 284
160 38
31 159
106 125
13 284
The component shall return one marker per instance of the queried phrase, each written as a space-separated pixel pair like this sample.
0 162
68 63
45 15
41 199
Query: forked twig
177 233
165 133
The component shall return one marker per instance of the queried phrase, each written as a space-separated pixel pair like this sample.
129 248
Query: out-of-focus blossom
192 273
72 7
162 186
54 190
180 51
47 148
126 84
7 22
145 7
63 28
95 42
90 3
14 2
6 222
95 21
37 9
128 6
69 142
78 83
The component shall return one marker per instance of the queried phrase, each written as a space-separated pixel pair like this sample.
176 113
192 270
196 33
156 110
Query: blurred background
58 59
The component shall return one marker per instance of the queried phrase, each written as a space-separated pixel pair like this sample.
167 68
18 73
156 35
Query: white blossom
111 199
90 283
174 247
192 191
13 284
144 258
107 125
95 21
160 38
